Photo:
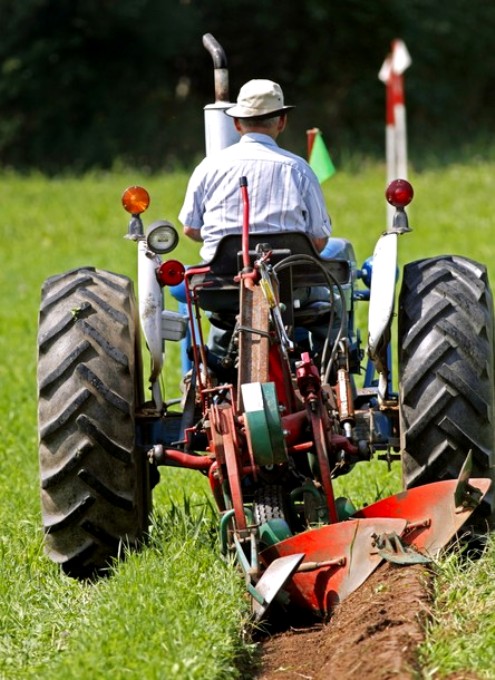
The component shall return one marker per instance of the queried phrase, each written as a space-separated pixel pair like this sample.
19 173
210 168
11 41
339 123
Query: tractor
271 423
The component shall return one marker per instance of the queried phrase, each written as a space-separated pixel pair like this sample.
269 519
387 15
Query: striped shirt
284 193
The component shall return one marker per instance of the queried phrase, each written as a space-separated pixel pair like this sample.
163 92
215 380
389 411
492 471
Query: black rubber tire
269 503
95 492
446 371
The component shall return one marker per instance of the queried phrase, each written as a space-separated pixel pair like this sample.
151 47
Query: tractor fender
382 294
150 313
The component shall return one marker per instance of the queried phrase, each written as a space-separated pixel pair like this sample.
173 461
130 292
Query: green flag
320 160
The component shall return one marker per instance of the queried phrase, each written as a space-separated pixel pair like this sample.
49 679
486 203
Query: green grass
461 631
175 610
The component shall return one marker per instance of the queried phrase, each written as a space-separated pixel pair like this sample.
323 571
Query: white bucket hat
259 98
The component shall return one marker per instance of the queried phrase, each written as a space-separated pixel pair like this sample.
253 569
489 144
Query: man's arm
195 234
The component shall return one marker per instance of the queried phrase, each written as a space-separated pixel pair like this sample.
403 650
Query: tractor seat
218 292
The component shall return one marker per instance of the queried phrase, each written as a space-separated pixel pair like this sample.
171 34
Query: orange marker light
135 200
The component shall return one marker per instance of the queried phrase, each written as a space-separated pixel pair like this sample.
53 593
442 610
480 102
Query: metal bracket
391 547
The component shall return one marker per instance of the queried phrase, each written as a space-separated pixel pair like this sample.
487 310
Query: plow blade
338 558
272 581
434 512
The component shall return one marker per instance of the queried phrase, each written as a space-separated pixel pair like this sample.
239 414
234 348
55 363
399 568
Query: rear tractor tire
446 373
95 492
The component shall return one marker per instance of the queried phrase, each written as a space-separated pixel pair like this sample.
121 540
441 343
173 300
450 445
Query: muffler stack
219 128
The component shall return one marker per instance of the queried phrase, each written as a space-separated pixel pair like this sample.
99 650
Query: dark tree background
84 83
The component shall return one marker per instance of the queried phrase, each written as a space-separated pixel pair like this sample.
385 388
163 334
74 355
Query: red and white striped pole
391 73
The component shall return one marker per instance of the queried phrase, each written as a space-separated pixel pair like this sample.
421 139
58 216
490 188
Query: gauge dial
162 237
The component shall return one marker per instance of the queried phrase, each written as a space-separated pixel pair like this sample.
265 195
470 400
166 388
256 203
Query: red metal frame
340 555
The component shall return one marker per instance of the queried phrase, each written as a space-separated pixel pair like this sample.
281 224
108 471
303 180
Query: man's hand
320 243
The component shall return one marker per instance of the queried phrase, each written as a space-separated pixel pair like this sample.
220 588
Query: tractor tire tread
446 369
93 481
269 503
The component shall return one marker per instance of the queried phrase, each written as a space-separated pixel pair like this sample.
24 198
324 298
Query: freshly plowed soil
373 634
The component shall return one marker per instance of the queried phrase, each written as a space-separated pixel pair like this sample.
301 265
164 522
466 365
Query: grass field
176 610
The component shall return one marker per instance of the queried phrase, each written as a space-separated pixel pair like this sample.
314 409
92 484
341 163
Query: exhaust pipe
220 71
219 128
